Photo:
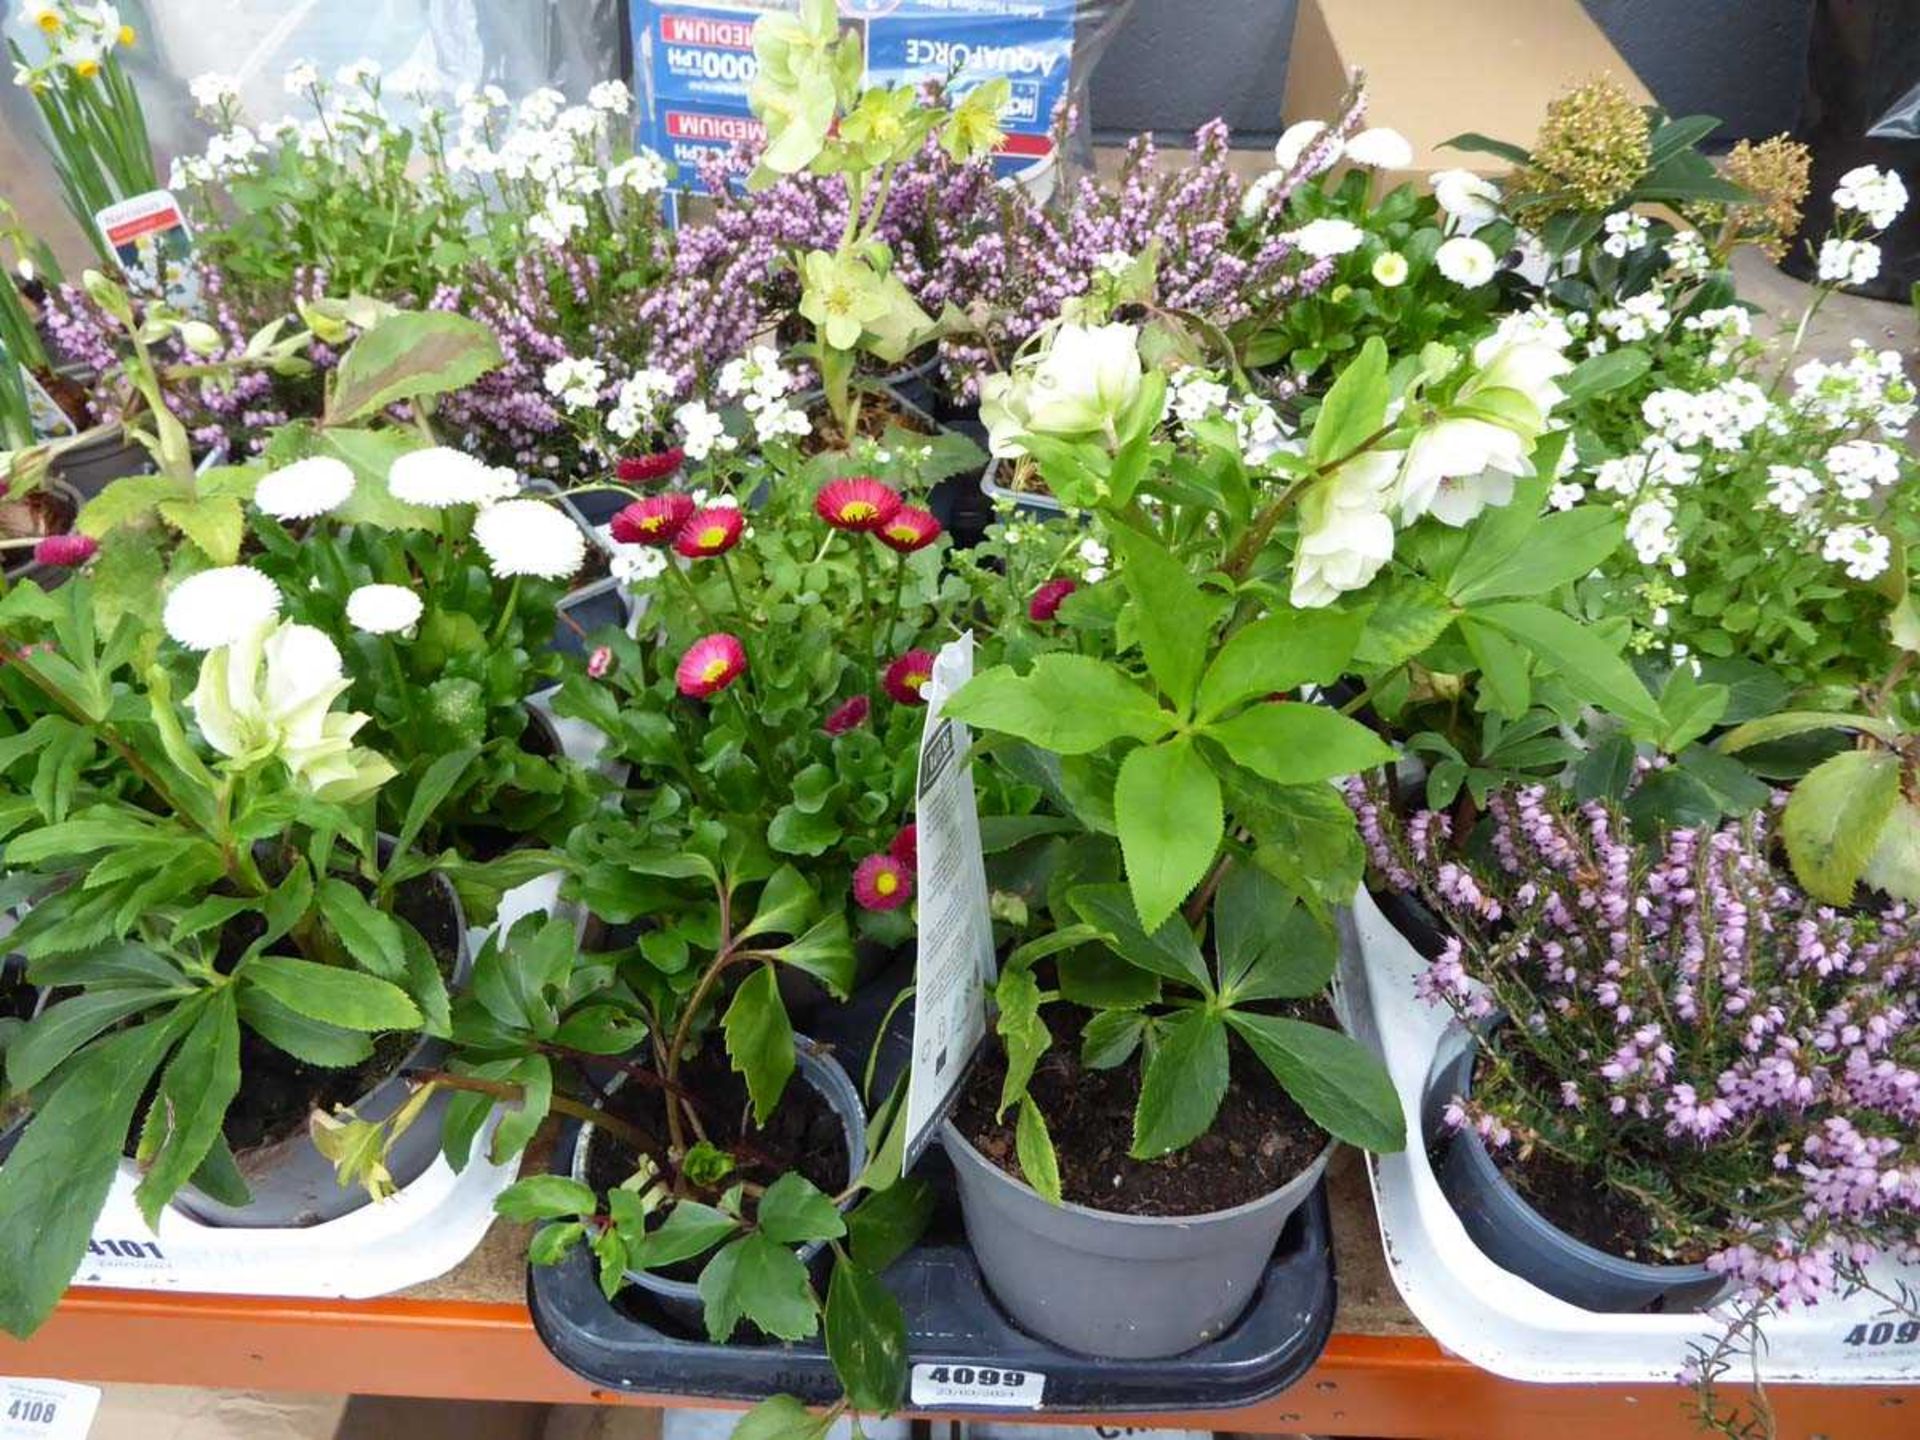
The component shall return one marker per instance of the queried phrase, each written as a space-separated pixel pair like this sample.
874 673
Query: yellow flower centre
654 524
714 669
712 536
86 69
49 21
886 882
126 36
839 299
914 680
855 510
902 533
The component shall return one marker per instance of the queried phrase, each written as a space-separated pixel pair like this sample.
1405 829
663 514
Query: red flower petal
655 520
647 469
848 716
65 551
712 531
881 882
1046 600
905 846
856 502
909 530
908 676
711 664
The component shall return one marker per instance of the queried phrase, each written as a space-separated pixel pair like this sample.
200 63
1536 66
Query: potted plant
1648 1101
231 942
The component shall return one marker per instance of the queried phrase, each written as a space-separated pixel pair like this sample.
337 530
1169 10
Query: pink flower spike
849 715
908 676
882 883
1047 600
711 664
905 846
65 551
856 502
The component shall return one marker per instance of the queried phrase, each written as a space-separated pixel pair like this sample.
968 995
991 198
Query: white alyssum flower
1112 263
1848 262
217 607
357 74
383 609
1535 326
1472 199
610 97
758 374
442 476
576 382
1466 261
1380 148
1626 233
305 488
1637 317
1094 558
636 564
1650 530
1687 254
1195 395
1880 195
1859 467
541 108
300 78
1390 269
701 430
213 91
643 172
1298 139
1324 239
1860 550
636 405
417 80
557 221
1566 494
778 419
529 537
1868 389
1260 432
1791 489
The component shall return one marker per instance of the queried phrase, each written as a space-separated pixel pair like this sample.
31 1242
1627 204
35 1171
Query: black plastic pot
93 461
19 1002
678 1301
1518 1238
590 608
294 1186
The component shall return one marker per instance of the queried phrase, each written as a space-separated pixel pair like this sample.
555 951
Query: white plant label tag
149 235
939 1385
46 1409
953 964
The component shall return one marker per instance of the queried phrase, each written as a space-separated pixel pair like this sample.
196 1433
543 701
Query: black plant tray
952 1320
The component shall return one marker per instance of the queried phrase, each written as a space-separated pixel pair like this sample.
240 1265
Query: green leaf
1109 1039
1169 952
1799 722
370 455
1475 141
1606 770
760 1039
781 1417
1557 550
1173 617
435 784
1295 744
314 1041
1895 866
129 498
332 995
56 1180
545 1197
1023 1033
1504 668
1181 1089
1603 374
795 1211
1280 653
1691 706
184 1121
786 901
866 1338
1355 407
690 1229
1166 806
1068 704
44 1043
757 1279
1269 945
1833 820
1343 1089
1033 1148
216 525
1591 668
601 1030
824 952
889 1222
410 354
551 1243
371 936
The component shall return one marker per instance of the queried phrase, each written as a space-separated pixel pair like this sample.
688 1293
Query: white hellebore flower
440 476
306 488
1295 142
1466 261
1324 239
1472 199
1088 377
383 609
1345 532
530 537
217 607
270 693
1380 148
1003 410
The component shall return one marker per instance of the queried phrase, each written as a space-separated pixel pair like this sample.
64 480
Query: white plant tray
1502 1323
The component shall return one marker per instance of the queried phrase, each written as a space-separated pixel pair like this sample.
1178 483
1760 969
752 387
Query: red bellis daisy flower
848 716
65 551
908 676
655 520
910 529
711 664
649 469
1047 600
905 846
857 502
712 531
882 883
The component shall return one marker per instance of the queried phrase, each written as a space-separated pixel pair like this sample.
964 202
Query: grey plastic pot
680 1300
1518 1238
294 1186
92 461
1117 1287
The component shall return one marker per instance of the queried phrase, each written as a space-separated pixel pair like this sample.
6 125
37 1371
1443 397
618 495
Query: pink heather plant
1683 1024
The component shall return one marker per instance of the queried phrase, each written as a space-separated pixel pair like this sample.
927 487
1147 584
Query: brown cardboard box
1436 68
164 1412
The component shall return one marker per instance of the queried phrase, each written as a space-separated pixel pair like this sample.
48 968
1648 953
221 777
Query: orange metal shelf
1364 1385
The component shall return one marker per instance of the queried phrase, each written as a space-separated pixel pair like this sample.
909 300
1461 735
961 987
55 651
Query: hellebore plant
193 878
807 95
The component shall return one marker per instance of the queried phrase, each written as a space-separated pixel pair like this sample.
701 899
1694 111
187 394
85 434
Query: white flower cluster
1730 326
1687 255
440 477
1636 318
1848 262
761 385
1870 389
637 403
1466 261
1626 233
576 383
1879 195
702 431
1324 239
